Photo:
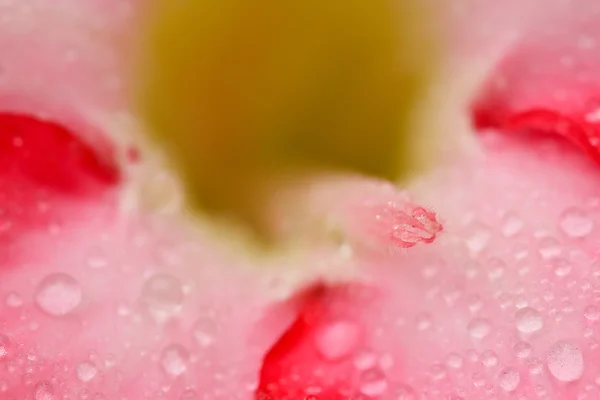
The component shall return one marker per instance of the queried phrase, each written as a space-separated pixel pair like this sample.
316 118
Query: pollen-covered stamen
364 212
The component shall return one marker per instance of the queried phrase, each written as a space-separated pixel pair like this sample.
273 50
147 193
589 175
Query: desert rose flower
477 279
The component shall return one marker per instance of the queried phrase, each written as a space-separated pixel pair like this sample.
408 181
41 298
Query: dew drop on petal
174 359
522 350
454 361
489 358
86 371
205 331
528 320
337 340
163 296
511 225
479 328
565 361
509 379
189 394
58 294
373 383
576 223
591 313
549 247
5 346
44 391
13 300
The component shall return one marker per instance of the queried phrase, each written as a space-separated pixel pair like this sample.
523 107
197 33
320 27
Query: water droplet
489 358
44 391
479 328
561 267
337 340
163 296
454 361
58 294
576 223
364 359
96 258
509 379
189 394
423 321
511 225
5 347
13 300
522 350
528 320
174 359
565 361
478 239
86 371
592 313
205 331
373 383
549 247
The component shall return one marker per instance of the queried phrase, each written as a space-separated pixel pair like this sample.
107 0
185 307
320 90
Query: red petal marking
42 163
550 84
296 368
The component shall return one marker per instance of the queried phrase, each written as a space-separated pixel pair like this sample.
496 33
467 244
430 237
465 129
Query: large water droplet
576 223
163 296
44 391
86 371
174 359
565 361
479 328
58 294
337 340
509 379
528 320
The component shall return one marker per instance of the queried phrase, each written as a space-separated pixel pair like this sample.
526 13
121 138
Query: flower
481 283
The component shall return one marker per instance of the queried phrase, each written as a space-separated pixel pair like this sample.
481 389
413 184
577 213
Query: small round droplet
576 223
479 328
13 300
565 361
509 379
205 331
58 294
561 267
189 394
174 359
86 371
163 296
337 340
591 313
364 360
373 383
489 359
454 361
44 391
5 347
549 247
528 320
522 350
511 225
